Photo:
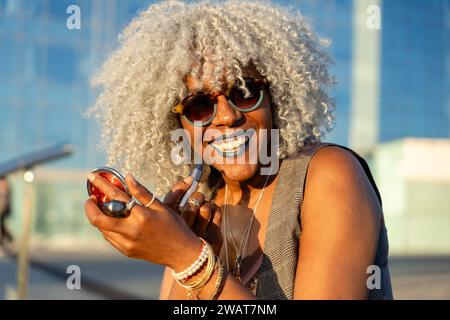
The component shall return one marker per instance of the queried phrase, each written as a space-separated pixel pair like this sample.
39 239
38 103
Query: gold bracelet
208 273
207 276
220 282
191 294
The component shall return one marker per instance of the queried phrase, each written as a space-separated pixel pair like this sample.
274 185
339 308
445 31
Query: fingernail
188 180
91 177
133 180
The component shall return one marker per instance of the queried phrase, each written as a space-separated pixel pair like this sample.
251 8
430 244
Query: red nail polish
112 176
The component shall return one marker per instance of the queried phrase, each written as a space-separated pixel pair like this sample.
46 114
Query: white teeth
230 144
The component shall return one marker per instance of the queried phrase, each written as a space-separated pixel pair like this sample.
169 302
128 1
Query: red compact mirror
112 176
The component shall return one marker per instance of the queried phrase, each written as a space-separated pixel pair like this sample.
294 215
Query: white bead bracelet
194 267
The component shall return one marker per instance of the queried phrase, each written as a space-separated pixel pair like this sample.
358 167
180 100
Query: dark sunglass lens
237 96
199 108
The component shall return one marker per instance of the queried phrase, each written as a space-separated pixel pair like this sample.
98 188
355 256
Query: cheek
262 117
194 135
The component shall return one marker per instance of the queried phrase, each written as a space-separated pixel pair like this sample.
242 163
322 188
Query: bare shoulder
340 220
337 180
333 162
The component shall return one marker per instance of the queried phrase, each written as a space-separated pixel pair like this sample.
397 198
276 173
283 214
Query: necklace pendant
237 268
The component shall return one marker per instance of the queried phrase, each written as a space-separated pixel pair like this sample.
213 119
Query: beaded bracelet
195 266
206 276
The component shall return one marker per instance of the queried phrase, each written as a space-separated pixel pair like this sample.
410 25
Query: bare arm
340 225
166 285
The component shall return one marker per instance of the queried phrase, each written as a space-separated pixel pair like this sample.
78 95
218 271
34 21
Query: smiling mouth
231 145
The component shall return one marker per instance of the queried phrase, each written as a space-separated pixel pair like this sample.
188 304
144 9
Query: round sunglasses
200 109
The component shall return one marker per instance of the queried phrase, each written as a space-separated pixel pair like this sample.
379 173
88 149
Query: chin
238 172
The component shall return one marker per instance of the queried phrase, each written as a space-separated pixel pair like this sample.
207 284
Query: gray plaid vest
277 273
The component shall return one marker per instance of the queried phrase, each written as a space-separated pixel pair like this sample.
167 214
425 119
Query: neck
237 190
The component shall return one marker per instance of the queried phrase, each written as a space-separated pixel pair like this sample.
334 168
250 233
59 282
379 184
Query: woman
236 69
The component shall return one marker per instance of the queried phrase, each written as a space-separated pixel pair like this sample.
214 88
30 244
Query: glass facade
332 19
44 73
415 70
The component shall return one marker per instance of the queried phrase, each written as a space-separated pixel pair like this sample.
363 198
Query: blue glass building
45 70
415 87
332 20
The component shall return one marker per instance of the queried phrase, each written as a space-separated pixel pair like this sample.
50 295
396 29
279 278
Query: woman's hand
155 234
204 219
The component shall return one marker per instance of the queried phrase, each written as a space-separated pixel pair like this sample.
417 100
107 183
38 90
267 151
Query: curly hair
145 76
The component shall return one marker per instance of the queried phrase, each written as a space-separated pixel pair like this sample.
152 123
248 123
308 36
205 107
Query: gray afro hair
145 76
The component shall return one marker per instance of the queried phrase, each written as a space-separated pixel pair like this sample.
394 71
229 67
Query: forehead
194 85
